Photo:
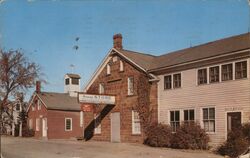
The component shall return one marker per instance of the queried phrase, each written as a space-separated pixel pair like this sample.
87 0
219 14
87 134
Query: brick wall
55 122
116 84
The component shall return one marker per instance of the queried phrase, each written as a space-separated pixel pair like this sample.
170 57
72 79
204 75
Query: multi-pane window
121 66
68 124
130 86
108 69
136 126
241 70
214 74
227 72
209 119
101 88
177 80
189 116
174 120
168 82
202 76
67 81
37 124
75 81
98 127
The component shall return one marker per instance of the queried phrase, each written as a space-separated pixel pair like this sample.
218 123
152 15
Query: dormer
72 84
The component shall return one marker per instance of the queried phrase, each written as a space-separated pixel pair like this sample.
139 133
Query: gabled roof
211 49
59 101
144 60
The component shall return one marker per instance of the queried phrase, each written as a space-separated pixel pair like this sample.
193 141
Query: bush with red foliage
190 136
158 135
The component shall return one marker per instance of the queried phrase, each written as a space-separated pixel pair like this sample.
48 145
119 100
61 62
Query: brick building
120 76
56 115
208 84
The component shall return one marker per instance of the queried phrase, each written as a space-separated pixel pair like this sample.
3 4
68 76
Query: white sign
96 99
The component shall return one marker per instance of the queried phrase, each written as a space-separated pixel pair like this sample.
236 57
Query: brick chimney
117 41
38 86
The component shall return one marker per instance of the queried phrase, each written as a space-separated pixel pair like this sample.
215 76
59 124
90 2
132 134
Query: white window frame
134 122
67 118
183 111
175 127
101 88
129 86
98 129
37 124
202 120
108 69
31 123
121 66
39 106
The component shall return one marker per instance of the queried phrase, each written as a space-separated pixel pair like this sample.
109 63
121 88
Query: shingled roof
59 101
211 49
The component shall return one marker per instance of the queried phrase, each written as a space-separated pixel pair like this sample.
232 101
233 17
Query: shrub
28 132
235 145
158 135
246 131
190 136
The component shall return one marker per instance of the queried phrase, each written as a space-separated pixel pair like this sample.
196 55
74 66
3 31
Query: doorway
115 127
233 121
44 125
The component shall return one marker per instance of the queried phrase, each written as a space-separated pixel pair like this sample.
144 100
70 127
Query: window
108 69
38 104
177 80
174 120
33 107
209 119
214 74
18 107
202 76
130 86
168 82
189 116
75 81
241 70
136 125
68 124
101 88
30 124
37 124
67 81
227 72
121 66
98 127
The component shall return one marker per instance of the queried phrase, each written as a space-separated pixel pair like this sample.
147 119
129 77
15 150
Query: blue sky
46 30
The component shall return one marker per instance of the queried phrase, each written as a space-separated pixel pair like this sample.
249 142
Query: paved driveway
32 148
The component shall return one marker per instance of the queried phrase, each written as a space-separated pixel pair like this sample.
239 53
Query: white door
115 127
44 127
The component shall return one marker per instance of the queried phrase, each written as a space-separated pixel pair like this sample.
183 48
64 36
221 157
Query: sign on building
96 99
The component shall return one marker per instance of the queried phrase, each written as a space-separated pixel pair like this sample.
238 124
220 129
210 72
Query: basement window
68 124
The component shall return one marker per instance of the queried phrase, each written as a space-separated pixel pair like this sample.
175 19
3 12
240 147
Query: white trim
65 124
106 60
31 101
133 123
201 118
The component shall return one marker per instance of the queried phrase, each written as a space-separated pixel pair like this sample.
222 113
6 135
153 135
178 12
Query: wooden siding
225 96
